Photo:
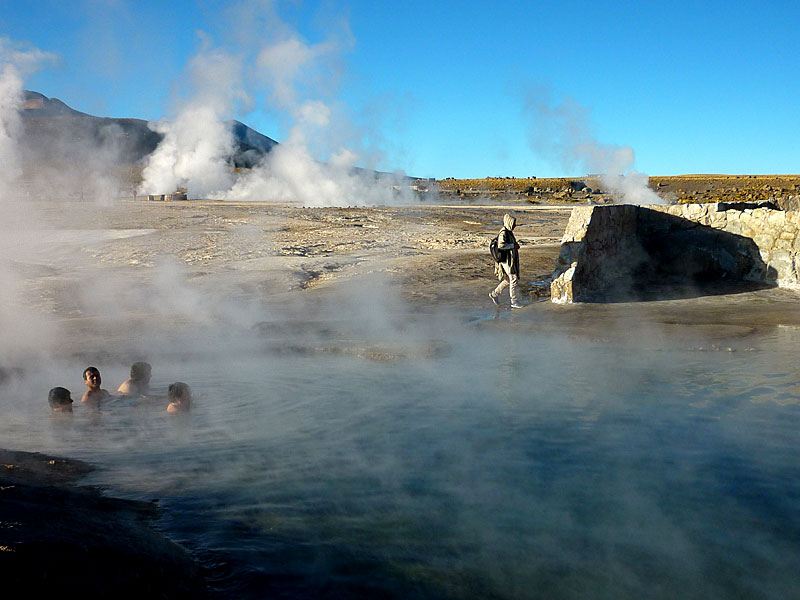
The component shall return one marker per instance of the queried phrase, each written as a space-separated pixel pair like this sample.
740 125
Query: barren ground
435 253
434 256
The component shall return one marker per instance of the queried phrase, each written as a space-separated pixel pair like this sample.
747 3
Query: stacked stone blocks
599 242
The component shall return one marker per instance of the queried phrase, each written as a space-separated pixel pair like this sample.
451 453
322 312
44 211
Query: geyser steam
293 79
21 333
562 133
16 62
197 142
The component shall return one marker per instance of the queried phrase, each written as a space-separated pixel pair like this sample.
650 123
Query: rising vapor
197 143
274 70
562 133
17 61
21 334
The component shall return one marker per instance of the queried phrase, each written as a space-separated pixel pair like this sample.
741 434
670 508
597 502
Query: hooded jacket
507 241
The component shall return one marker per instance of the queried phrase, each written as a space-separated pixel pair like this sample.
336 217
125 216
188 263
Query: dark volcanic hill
55 133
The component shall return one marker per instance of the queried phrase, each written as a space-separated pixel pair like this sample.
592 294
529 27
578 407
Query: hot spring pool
505 465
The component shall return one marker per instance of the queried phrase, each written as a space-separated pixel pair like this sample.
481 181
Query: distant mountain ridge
55 132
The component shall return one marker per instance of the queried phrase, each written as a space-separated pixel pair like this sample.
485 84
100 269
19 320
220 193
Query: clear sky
446 89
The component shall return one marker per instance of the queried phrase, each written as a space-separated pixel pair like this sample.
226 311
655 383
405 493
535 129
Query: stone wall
627 252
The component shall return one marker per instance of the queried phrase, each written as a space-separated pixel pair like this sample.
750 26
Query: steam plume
562 133
16 62
197 143
297 81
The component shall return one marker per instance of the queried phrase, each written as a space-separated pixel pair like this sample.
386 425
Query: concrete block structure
628 252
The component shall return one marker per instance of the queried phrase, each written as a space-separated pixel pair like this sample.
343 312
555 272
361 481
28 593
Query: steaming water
513 465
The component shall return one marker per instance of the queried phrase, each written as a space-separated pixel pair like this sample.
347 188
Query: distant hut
179 194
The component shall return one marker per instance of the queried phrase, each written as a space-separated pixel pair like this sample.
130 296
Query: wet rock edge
58 536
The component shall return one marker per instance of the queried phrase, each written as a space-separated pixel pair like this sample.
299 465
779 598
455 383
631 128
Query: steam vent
627 253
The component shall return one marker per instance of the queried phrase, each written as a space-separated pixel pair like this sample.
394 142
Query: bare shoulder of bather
95 396
131 387
139 382
125 388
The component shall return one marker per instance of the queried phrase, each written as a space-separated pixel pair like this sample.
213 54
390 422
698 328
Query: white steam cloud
294 80
16 62
76 157
197 143
21 334
562 132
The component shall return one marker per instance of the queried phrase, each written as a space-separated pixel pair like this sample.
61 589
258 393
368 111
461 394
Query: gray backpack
499 256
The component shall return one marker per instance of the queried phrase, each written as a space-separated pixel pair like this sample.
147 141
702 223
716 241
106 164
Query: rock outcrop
57 538
627 252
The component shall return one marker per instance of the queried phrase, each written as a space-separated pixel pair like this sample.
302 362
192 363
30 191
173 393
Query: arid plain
432 255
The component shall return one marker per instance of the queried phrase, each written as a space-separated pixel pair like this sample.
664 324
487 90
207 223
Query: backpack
499 256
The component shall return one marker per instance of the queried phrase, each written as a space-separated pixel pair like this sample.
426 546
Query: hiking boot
517 305
493 298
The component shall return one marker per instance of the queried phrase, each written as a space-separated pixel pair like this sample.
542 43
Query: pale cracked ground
436 253
113 269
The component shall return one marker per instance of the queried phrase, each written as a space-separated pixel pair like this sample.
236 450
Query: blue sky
439 88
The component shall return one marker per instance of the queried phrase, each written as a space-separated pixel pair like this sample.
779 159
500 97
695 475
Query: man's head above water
60 399
141 371
91 377
94 393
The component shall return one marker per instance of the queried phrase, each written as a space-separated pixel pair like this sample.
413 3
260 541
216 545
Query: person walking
507 271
